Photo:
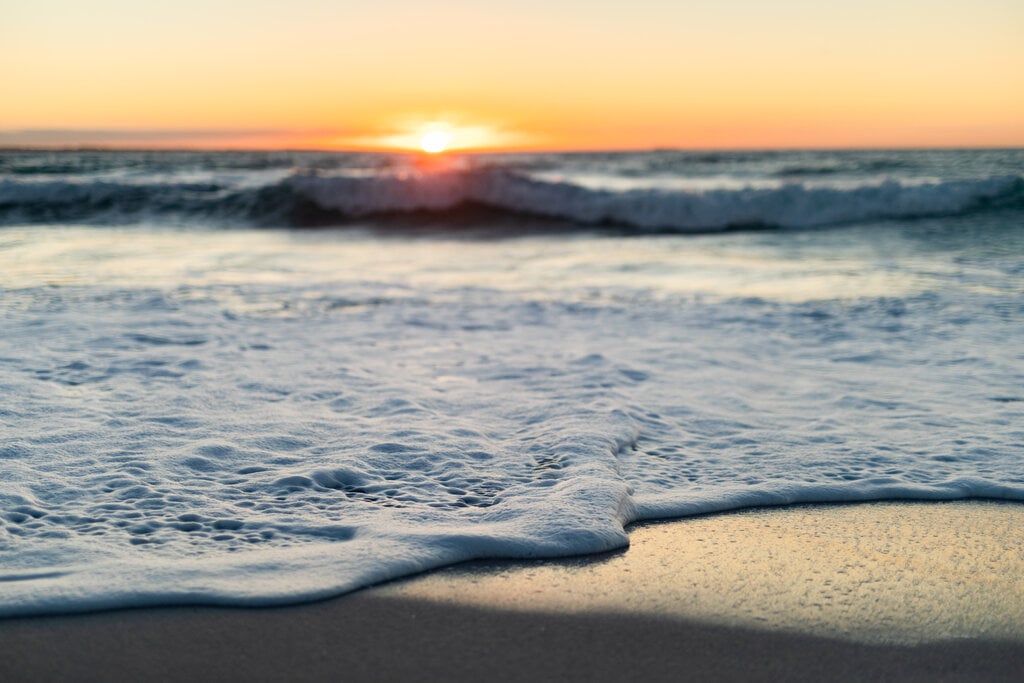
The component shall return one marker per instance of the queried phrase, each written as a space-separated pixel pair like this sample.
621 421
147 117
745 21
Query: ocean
255 378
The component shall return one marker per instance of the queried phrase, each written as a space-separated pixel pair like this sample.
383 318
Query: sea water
257 378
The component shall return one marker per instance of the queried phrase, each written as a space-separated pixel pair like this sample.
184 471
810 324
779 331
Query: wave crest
788 205
319 199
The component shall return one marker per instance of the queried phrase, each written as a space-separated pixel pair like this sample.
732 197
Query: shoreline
897 572
930 591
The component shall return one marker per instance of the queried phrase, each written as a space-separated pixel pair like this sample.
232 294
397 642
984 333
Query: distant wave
304 199
105 202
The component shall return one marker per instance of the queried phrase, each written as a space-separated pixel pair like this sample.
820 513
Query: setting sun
456 131
435 141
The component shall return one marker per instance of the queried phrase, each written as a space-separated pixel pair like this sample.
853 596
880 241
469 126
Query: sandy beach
886 591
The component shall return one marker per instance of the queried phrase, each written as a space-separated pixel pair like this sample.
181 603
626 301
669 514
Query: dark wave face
633 192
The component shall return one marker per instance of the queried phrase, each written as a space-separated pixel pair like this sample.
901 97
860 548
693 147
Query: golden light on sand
435 141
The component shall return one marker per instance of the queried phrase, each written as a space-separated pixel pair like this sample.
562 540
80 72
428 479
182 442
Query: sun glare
437 137
435 141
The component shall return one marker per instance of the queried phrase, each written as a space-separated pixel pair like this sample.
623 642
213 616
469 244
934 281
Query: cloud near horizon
159 138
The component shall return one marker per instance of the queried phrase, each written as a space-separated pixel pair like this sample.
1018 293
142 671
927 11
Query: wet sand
888 591
879 573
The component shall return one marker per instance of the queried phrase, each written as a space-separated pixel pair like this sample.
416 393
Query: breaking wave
312 198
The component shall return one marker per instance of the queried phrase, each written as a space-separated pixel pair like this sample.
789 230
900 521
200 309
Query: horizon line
502 150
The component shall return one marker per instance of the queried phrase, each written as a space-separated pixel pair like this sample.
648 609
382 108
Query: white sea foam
177 436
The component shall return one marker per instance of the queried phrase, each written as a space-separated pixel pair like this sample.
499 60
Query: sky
512 74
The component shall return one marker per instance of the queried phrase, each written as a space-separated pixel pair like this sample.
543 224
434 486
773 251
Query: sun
435 141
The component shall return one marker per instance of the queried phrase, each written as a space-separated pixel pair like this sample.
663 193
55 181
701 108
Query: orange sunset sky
529 74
